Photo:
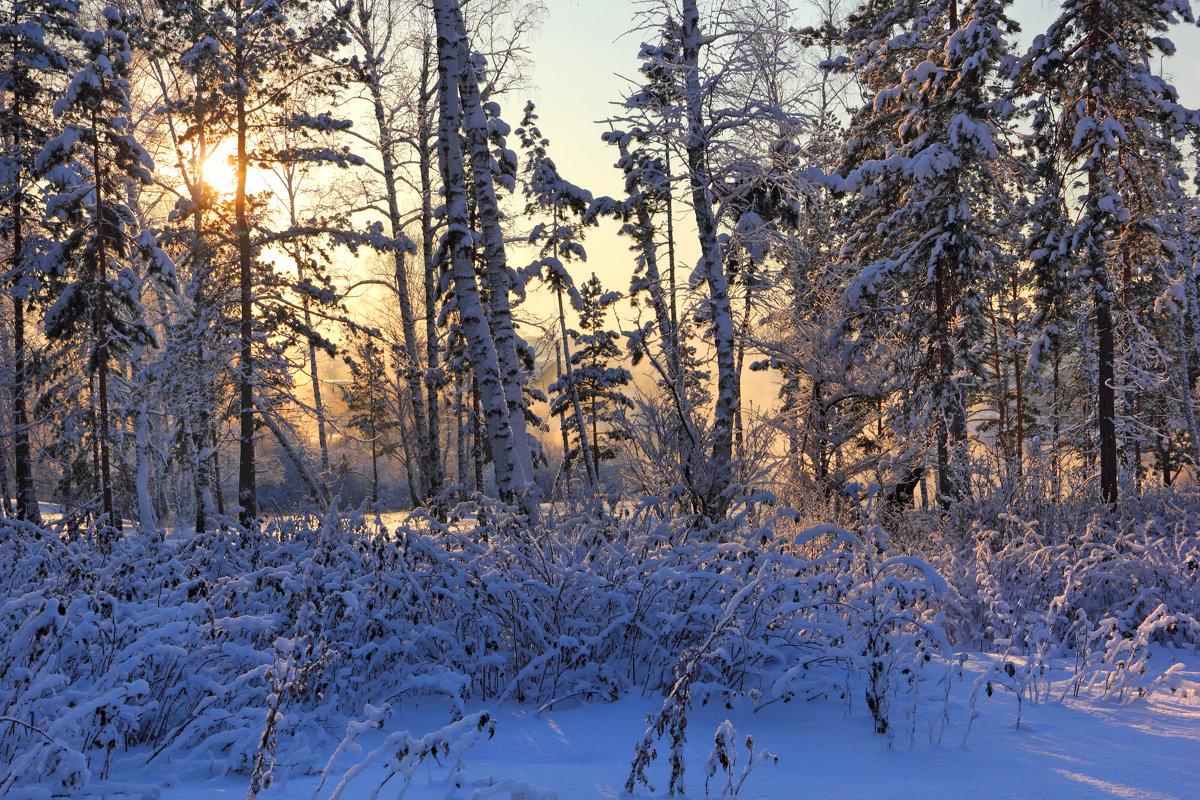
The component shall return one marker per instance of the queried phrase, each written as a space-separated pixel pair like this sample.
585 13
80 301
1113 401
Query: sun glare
219 170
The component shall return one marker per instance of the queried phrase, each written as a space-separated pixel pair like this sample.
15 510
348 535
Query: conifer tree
558 240
264 51
1109 128
32 33
89 164
599 383
370 413
921 167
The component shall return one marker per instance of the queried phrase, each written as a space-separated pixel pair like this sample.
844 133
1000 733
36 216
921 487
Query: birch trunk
412 369
475 129
437 475
712 267
481 349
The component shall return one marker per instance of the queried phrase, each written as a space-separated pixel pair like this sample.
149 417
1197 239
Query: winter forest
860 459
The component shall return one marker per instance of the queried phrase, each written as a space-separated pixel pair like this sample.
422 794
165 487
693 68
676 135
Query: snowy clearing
1073 748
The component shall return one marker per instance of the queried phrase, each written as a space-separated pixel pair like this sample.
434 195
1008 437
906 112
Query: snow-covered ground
1070 748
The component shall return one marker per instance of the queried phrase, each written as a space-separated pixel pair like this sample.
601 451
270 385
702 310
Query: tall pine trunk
26 493
247 487
101 329
1106 401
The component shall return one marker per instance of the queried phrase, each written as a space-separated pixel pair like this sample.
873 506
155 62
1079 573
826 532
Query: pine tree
264 50
558 240
370 412
1107 126
89 164
31 35
199 338
599 383
921 166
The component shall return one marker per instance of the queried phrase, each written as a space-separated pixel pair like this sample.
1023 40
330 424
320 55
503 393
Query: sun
219 170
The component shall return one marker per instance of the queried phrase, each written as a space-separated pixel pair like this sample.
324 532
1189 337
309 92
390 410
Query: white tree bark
481 349
712 267
475 129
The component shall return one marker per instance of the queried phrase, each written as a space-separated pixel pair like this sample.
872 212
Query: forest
314 412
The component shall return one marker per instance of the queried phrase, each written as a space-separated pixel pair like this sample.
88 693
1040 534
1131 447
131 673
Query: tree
372 27
265 49
921 165
30 36
370 412
598 383
89 163
701 99
558 240
1107 126
505 424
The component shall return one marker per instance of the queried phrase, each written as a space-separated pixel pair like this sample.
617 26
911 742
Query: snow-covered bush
1099 592
240 652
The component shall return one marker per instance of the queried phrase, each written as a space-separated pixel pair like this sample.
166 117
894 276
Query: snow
1069 748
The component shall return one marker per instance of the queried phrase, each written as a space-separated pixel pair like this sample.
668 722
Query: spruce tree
920 165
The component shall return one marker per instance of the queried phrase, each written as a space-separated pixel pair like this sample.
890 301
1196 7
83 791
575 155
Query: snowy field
1071 748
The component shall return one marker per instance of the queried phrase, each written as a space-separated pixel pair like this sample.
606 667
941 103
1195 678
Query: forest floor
1066 747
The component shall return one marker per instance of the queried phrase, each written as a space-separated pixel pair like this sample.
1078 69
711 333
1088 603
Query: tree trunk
476 435
1018 370
481 349
200 433
949 427
712 268
102 331
374 465
1106 405
26 493
461 422
432 380
318 404
216 466
475 130
585 452
247 487
412 371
